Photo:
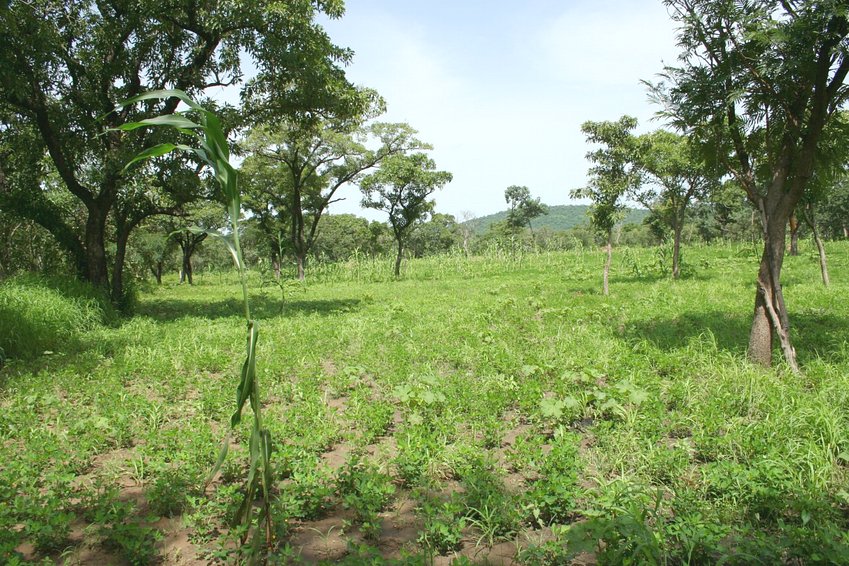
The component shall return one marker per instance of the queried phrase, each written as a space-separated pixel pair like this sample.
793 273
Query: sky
500 88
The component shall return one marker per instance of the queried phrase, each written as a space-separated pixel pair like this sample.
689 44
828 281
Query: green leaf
638 396
222 455
163 94
173 120
552 408
155 151
243 391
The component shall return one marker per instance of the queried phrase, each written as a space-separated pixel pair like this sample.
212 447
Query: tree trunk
609 249
157 272
123 234
811 220
794 234
846 231
97 272
676 251
398 259
300 259
770 317
761 333
186 272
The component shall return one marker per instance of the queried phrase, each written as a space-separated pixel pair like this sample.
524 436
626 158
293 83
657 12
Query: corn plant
213 150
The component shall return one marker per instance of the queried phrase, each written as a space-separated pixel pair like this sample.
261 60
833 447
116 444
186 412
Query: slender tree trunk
609 250
811 220
770 319
398 259
676 251
846 231
794 234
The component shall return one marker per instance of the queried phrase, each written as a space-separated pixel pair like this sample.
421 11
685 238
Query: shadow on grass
165 310
813 335
730 330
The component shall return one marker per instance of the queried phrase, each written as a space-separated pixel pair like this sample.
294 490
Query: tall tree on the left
65 65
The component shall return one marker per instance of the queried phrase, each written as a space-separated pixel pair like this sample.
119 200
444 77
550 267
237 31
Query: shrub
39 314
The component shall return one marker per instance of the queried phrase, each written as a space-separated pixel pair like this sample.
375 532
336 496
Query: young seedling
213 150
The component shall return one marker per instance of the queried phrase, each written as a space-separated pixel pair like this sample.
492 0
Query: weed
168 496
121 532
367 492
444 522
308 494
489 507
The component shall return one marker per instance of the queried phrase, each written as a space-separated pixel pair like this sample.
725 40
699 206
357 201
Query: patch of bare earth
323 539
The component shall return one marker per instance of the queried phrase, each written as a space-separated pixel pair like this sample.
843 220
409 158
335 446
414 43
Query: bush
39 314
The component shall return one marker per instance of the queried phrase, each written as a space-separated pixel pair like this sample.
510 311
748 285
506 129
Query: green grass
504 394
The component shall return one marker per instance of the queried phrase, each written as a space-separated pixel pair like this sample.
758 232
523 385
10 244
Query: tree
611 176
294 171
183 230
64 65
523 208
439 234
835 210
761 80
341 236
674 174
153 247
401 188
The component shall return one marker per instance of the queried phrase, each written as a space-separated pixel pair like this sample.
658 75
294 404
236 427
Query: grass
503 394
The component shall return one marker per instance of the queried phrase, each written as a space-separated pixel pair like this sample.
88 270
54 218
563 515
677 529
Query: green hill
559 217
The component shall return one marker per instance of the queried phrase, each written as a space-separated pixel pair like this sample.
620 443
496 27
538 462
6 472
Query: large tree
762 79
674 174
295 170
401 188
64 65
611 175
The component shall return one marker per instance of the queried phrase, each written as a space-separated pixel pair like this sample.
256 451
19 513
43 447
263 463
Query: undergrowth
516 406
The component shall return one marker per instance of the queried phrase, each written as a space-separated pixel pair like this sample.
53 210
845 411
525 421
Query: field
480 410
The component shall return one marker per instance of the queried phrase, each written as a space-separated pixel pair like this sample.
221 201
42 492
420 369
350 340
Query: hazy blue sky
500 88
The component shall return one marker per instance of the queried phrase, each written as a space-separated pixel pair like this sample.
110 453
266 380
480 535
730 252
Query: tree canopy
401 188
64 66
760 80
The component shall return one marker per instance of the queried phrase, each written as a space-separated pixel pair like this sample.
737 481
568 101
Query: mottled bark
770 319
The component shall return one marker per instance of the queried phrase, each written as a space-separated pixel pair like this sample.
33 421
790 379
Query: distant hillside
559 217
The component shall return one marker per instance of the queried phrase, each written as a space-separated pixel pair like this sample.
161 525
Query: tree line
304 130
